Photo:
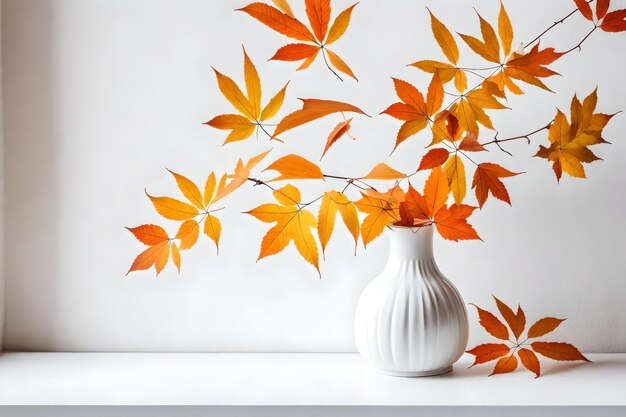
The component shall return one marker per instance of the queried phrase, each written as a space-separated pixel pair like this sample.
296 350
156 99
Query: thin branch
553 25
527 136
581 42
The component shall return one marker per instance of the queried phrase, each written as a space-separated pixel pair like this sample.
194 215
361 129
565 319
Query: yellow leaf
455 171
188 234
339 64
176 256
274 104
381 212
288 195
213 229
253 84
340 25
209 189
292 224
284 7
233 94
444 39
295 167
505 30
491 40
173 209
334 201
241 128
239 177
189 190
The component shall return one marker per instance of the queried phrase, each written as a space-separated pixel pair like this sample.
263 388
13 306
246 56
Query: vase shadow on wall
32 166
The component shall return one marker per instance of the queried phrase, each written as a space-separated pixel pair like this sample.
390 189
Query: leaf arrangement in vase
455 133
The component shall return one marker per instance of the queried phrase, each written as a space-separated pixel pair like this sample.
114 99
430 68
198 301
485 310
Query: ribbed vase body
410 320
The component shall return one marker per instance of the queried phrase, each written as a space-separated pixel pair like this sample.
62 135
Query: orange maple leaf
315 39
505 352
413 110
243 125
159 247
417 210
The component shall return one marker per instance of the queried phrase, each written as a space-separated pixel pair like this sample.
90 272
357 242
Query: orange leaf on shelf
488 352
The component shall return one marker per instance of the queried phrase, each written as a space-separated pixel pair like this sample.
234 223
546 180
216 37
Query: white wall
100 96
1 198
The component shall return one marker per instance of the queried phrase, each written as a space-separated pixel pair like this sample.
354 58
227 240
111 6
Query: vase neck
407 243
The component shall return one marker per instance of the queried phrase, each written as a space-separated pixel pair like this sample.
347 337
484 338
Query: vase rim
416 228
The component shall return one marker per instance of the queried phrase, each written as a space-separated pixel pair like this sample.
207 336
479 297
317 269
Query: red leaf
544 326
530 361
487 179
558 351
434 158
585 9
492 324
505 365
614 21
488 352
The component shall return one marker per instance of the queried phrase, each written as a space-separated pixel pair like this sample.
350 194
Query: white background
101 96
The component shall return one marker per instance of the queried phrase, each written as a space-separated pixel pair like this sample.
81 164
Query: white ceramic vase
410 320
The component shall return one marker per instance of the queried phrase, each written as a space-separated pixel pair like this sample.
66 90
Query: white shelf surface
255 379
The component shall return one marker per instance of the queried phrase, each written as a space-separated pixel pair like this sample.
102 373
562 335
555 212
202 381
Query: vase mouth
413 228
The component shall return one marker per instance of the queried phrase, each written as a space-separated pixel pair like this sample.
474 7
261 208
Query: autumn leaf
516 321
505 365
415 111
313 109
188 234
569 143
434 158
381 210
333 202
526 351
489 46
558 351
487 179
543 327
243 125
295 167
337 133
158 252
293 224
446 71
383 171
316 39
455 171
173 209
418 210
488 352
470 109
614 21
530 67
492 324
239 177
